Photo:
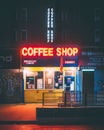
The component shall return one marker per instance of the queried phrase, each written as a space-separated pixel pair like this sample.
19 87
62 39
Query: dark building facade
60 21
52 24
63 21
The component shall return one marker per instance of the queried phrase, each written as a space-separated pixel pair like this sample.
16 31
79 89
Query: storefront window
49 82
34 80
69 80
30 82
39 81
58 80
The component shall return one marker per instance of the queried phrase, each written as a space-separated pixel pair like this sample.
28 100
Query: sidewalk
26 113
11 115
19 112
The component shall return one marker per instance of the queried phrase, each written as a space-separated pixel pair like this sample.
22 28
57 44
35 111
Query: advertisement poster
30 83
39 83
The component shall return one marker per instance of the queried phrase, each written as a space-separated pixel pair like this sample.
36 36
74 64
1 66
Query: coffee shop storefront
29 72
48 69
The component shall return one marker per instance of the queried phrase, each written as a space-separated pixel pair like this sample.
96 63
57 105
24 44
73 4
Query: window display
58 80
39 83
49 79
34 80
30 83
39 80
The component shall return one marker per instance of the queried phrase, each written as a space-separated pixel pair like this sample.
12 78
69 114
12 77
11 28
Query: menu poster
39 83
49 80
30 83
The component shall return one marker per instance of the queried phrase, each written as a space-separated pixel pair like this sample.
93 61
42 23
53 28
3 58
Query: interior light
87 69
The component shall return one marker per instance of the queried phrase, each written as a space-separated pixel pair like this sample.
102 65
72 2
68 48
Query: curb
17 122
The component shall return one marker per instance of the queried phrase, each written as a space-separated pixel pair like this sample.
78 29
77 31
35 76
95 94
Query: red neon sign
59 51
66 51
37 51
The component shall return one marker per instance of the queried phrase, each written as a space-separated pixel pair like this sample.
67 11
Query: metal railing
73 99
61 98
51 98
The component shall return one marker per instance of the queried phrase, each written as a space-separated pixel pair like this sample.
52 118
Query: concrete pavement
26 114
19 113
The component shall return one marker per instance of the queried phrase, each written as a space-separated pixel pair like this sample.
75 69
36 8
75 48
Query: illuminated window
49 80
34 80
50 26
48 35
51 16
51 35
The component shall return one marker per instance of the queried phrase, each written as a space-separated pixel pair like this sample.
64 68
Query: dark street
53 127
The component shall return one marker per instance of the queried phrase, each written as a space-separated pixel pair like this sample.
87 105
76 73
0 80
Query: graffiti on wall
100 84
10 84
